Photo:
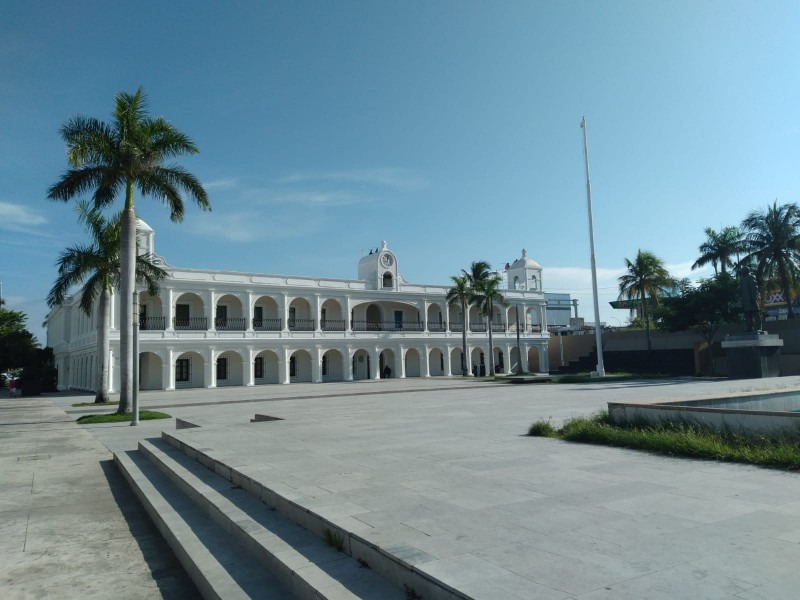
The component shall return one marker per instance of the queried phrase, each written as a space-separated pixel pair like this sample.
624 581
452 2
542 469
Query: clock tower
379 268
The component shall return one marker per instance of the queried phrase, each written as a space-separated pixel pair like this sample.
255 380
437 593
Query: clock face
387 260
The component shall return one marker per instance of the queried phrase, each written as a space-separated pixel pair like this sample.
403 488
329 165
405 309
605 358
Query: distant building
221 328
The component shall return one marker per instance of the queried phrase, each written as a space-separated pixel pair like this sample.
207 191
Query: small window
258 368
183 369
324 365
222 369
292 367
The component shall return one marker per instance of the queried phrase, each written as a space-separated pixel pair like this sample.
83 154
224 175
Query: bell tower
525 274
379 268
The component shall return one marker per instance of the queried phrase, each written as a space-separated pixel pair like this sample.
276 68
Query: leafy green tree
460 293
17 345
128 153
646 277
702 309
97 267
772 237
488 297
720 249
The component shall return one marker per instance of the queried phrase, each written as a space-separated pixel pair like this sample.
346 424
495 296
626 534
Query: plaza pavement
439 471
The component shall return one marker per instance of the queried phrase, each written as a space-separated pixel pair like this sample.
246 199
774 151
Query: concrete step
303 563
391 567
218 566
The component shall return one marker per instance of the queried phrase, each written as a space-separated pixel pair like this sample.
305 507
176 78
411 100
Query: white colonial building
220 328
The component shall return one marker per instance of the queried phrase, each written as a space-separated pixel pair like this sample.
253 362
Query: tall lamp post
601 371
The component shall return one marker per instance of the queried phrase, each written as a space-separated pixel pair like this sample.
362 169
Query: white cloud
14 216
250 226
220 184
388 177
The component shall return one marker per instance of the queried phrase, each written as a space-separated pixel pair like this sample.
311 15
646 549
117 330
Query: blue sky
449 129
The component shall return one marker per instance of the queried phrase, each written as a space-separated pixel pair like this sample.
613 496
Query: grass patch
609 377
144 415
674 439
334 539
96 403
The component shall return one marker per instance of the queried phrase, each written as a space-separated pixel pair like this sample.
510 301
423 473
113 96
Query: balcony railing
456 327
498 327
152 323
229 324
301 324
477 327
267 324
437 327
388 326
190 324
333 325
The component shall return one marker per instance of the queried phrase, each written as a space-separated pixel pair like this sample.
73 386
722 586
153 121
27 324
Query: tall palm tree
478 274
772 237
128 153
460 293
720 249
489 297
97 267
646 277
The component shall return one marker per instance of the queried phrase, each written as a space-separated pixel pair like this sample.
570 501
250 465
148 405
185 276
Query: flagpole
601 371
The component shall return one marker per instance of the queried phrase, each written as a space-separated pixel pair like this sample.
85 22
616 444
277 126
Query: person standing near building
12 387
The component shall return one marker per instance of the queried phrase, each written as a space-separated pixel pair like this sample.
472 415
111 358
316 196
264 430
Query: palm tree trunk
103 346
786 290
127 284
464 371
646 314
491 343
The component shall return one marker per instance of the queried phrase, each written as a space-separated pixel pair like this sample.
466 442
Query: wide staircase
237 538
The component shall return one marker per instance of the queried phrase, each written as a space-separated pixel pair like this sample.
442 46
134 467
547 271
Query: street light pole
601 371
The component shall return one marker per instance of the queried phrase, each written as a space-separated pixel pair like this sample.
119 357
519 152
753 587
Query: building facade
218 328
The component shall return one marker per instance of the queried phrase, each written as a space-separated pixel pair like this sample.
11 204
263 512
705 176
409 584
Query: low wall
620 340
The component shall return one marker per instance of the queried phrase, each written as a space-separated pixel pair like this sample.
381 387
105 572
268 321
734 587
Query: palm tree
490 296
97 267
720 248
477 276
460 293
772 237
110 158
645 278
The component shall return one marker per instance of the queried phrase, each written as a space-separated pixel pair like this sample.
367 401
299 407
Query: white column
248 313
317 315
283 308
210 368
210 312
248 368
427 362
316 364
283 366
401 358
348 368
168 370
170 311
348 326
375 362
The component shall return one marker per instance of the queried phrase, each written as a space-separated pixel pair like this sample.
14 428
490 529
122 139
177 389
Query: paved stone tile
444 471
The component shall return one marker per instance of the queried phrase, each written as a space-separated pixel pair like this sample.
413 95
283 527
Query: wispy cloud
249 226
217 184
17 215
386 177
